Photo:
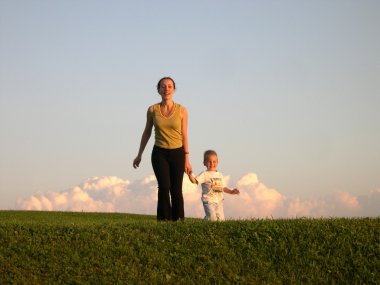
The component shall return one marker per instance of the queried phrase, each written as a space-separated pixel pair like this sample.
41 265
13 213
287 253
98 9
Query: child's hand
192 178
235 191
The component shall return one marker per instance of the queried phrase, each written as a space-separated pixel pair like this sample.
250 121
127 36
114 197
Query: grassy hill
99 248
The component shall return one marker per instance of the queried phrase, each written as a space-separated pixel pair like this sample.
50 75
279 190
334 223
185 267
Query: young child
213 186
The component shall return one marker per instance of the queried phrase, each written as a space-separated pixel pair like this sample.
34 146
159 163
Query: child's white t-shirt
212 183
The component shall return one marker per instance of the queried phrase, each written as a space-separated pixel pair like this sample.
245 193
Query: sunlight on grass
61 247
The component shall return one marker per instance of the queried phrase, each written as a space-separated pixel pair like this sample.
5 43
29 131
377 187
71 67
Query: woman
170 155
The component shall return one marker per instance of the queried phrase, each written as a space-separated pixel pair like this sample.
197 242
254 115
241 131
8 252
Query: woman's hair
163 78
207 153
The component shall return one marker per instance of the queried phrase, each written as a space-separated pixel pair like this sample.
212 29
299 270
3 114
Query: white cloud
347 200
256 200
306 207
94 194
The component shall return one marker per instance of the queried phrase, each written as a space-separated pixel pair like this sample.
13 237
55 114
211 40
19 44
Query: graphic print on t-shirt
216 184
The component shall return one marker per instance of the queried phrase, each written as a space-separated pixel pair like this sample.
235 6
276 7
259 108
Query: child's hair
207 153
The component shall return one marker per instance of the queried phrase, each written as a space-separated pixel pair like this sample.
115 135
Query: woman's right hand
136 161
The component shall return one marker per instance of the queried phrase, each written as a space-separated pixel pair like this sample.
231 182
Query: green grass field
97 248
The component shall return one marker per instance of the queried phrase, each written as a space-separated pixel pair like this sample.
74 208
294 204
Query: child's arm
231 191
192 178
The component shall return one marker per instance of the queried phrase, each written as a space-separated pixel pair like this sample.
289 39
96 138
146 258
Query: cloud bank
256 200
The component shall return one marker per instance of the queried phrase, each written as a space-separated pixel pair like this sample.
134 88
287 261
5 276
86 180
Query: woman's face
166 89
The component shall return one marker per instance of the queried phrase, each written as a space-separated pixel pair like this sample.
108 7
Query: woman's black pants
169 167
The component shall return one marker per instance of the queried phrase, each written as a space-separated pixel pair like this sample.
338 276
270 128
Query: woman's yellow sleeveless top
167 130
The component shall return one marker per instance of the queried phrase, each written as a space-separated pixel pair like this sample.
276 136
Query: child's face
211 162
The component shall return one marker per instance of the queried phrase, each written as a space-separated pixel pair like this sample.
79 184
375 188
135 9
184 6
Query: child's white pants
214 211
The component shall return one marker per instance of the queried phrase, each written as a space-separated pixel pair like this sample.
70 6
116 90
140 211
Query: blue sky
288 90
